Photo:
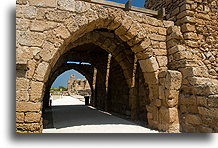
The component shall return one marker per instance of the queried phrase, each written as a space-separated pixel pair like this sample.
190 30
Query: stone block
149 65
156 37
31 65
212 100
63 32
162 74
21 2
178 48
192 109
193 119
151 78
162 45
162 31
194 71
160 52
29 12
187 19
162 61
41 71
171 97
188 27
126 24
43 3
168 24
144 55
168 115
30 38
173 80
188 128
32 117
191 43
49 52
68 5
23 53
171 94
142 46
22 84
28 106
185 13
57 16
162 93
203 129
22 95
188 99
183 55
154 22
172 42
19 117
174 32
175 11
22 24
133 31
150 116
41 25
28 127
190 36
158 102
36 91
153 92
211 112
201 100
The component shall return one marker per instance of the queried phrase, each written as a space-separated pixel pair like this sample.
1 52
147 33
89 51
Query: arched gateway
127 52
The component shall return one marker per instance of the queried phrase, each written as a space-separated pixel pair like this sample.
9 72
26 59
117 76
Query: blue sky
63 78
137 3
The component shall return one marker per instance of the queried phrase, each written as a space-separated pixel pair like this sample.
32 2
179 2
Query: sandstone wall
118 90
194 53
78 86
48 30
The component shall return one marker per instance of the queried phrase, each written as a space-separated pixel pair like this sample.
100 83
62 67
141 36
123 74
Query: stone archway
52 30
86 70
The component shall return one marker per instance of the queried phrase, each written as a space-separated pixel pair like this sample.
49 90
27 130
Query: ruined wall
78 86
192 49
197 19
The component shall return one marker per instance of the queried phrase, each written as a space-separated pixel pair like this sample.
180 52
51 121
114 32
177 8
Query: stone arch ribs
111 44
50 30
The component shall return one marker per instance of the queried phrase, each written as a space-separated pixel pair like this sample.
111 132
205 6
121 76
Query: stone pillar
106 83
134 102
93 97
169 85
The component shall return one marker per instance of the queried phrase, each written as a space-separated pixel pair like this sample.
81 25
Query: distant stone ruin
78 86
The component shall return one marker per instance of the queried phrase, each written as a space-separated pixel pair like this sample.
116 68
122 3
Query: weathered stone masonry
194 53
168 72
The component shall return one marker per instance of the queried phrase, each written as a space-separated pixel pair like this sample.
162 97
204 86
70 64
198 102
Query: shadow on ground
77 115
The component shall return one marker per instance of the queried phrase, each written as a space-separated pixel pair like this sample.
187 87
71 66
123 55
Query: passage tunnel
114 74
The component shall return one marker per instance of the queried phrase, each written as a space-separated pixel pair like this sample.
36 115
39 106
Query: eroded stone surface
184 42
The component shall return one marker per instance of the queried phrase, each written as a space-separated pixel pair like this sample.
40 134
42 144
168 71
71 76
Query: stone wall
118 90
78 86
197 19
150 53
192 50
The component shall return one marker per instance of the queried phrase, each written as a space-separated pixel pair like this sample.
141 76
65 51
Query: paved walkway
71 116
